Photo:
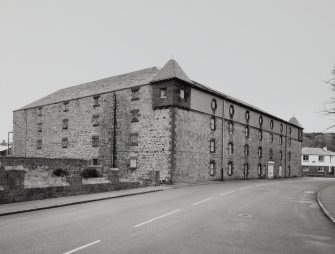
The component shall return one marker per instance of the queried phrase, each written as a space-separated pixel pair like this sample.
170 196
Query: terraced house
159 120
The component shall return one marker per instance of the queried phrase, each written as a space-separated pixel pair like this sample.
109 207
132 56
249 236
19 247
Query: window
65 142
247 131
135 114
95 162
230 148
230 168
182 94
281 140
281 127
133 162
212 168
134 139
231 111
65 124
247 116
321 169
135 91
39 127
95 141
95 120
281 155
305 157
270 154
96 100
260 135
163 93
300 135
246 150
65 106
271 124
260 152
321 158
289 156
289 170
212 146
231 127
213 104
271 137
246 169
259 169
289 141
39 111
305 169
260 120
213 123
290 130
39 144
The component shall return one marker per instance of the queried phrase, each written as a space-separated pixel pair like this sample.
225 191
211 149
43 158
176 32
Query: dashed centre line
159 217
202 201
226 193
82 247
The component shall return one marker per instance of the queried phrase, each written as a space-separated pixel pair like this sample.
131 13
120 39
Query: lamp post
8 142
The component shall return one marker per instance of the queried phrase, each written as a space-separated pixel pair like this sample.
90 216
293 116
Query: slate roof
295 122
131 79
316 151
172 70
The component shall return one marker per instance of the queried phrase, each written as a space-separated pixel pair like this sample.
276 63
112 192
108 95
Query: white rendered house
317 161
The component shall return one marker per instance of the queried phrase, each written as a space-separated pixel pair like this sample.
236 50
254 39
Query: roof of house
4 148
170 70
316 151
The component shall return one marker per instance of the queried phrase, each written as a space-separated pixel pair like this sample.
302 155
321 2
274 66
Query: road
254 216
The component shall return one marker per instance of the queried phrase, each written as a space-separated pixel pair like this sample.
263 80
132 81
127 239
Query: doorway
271 169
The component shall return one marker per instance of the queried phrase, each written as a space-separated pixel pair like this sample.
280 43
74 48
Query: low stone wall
20 195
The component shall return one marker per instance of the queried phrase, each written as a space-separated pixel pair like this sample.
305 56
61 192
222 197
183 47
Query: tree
329 107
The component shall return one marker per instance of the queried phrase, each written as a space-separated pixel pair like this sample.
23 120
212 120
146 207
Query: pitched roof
131 79
316 151
172 70
295 121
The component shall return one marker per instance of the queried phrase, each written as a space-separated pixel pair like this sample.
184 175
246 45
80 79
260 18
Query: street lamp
8 142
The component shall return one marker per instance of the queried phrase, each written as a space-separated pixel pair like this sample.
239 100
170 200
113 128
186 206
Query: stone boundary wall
71 165
20 195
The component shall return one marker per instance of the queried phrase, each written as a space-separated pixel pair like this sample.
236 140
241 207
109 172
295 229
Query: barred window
95 141
212 168
230 168
95 162
212 145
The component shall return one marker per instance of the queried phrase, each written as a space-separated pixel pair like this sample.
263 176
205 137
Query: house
159 120
317 162
5 148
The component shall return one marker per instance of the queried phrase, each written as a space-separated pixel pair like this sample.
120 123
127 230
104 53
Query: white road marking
304 201
202 201
226 193
82 247
159 217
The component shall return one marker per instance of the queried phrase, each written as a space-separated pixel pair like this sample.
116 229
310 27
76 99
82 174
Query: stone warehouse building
159 120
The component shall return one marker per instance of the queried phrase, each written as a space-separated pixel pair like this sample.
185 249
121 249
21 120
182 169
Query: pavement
28 206
326 200
243 217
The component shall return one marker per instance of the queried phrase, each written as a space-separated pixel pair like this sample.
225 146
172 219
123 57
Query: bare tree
329 107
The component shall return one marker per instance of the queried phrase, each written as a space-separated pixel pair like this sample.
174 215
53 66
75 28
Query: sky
275 55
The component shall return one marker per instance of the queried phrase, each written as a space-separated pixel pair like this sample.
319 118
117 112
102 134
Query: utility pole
8 142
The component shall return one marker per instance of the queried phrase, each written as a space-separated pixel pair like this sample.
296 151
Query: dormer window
163 93
182 94
213 104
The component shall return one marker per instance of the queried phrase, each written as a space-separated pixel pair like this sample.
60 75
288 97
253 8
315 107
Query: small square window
39 127
305 157
65 142
134 139
321 158
182 94
65 124
39 144
95 120
163 93
95 162
65 106
213 104
96 100
135 92
230 168
212 145
133 163
213 123
212 168
95 141
135 115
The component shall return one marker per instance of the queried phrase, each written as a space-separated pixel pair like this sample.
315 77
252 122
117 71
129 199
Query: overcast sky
272 54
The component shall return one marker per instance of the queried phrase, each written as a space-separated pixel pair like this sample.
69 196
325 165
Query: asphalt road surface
254 216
